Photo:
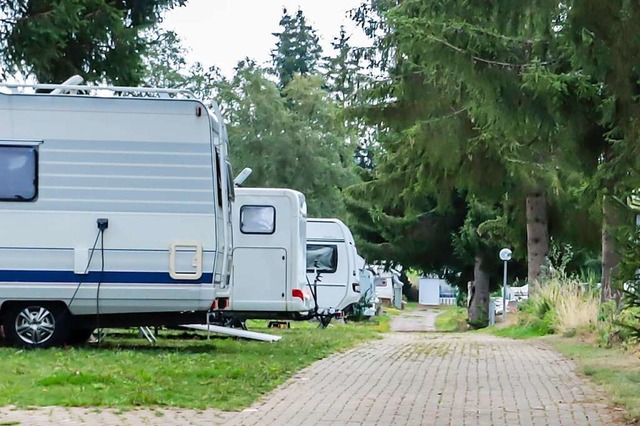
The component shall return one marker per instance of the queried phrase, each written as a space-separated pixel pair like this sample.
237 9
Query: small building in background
435 291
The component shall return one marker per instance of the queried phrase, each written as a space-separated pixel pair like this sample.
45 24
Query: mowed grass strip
181 370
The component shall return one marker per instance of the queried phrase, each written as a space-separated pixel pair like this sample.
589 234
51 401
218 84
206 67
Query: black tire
79 336
36 324
236 323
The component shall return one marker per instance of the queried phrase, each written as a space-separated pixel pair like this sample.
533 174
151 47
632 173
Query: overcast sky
222 32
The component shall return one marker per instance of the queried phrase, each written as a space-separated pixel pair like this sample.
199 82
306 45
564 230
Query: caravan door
260 256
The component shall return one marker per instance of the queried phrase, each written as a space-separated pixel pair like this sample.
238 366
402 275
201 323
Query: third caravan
331 251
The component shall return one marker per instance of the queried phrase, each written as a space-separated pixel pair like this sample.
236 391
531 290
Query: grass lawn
618 372
452 318
181 370
516 331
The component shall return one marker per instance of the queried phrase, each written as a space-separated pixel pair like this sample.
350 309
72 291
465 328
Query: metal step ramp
235 332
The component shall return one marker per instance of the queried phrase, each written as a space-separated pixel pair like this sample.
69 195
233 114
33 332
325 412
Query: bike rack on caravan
330 246
115 204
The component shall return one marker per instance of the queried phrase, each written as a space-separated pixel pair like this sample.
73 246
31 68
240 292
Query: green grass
409 306
452 318
616 371
191 372
518 331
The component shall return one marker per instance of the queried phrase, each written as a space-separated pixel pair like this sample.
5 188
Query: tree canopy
97 39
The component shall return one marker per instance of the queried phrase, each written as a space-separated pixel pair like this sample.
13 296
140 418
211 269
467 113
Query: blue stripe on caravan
97 276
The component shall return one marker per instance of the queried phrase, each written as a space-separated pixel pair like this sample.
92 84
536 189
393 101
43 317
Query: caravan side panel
146 166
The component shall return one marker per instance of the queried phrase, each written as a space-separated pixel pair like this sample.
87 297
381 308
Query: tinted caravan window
324 258
18 173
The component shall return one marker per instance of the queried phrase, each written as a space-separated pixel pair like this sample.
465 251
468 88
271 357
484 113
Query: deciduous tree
52 40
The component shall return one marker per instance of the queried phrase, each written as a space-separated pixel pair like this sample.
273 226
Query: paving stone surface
404 379
415 321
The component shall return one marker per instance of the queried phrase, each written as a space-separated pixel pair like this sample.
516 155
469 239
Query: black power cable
103 224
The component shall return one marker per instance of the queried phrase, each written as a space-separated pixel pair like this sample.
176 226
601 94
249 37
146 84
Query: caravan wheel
36 325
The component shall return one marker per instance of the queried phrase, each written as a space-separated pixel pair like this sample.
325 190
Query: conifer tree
297 50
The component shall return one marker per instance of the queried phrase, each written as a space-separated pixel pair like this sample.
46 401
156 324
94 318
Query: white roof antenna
74 80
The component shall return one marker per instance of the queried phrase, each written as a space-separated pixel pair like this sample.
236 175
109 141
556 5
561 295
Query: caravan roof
329 230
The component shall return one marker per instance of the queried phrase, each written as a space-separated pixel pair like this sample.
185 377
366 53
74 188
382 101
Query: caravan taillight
296 292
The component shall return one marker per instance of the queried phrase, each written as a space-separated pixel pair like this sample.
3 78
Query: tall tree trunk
479 297
610 255
537 237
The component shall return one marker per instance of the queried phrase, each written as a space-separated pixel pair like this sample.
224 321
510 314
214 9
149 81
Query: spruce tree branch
465 26
479 59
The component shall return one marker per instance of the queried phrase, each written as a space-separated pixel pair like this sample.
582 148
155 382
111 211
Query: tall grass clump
562 304
577 308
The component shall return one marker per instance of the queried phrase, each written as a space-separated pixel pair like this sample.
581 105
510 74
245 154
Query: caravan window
381 282
324 258
218 178
18 173
257 219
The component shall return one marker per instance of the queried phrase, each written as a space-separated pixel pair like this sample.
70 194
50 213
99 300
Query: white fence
447 300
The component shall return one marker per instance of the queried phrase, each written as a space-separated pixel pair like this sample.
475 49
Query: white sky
222 32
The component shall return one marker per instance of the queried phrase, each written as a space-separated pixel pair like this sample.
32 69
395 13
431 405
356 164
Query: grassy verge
181 370
452 318
517 331
616 371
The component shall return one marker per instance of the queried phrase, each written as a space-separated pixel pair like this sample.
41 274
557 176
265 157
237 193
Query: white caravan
331 251
269 279
386 281
367 287
115 210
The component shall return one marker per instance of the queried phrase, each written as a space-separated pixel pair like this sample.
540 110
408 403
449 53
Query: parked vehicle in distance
384 287
369 297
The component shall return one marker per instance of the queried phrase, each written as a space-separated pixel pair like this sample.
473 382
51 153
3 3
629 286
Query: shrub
618 327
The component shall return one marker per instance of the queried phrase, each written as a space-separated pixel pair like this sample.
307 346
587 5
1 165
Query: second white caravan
331 251
268 278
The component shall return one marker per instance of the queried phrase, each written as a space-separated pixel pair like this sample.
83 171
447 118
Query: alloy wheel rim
35 325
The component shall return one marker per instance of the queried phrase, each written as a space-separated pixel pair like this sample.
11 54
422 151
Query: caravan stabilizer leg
148 334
